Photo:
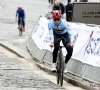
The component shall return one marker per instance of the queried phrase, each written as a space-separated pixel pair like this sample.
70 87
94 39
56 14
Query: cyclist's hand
52 44
71 44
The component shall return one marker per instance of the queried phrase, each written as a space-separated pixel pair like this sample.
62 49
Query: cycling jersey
60 29
20 14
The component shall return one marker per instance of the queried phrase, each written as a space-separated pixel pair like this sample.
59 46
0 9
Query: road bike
60 62
21 27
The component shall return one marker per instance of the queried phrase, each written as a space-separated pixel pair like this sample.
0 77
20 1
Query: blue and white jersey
20 13
59 29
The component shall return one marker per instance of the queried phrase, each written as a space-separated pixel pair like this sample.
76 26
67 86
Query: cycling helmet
19 7
56 14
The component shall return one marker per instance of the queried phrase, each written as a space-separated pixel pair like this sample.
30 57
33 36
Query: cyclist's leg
69 50
55 51
23 24
66 11
69 54
56 44
18 22
67 57
51 2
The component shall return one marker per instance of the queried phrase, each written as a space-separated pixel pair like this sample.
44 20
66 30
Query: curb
15 50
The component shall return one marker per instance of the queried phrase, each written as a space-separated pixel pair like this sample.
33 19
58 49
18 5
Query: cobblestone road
16 75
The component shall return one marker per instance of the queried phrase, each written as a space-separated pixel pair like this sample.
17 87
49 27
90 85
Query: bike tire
61 69
58 67
20 32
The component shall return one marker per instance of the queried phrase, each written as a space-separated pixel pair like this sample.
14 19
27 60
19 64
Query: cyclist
20 13
58 28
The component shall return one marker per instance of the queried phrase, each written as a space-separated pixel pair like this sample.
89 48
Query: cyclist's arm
50 32
69 31
24 14
71 35
16 14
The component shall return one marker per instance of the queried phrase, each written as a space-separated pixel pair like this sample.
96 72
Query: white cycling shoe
53 67
66 69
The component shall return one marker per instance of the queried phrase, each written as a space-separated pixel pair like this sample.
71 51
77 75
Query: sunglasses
56 19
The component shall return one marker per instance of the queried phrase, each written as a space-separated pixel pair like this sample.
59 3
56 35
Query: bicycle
21 27
60 62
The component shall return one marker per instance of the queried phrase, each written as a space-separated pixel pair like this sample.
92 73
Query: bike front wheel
61 69
21 28
20 32
58 73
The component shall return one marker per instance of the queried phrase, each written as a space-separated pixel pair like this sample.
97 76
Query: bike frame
60 64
